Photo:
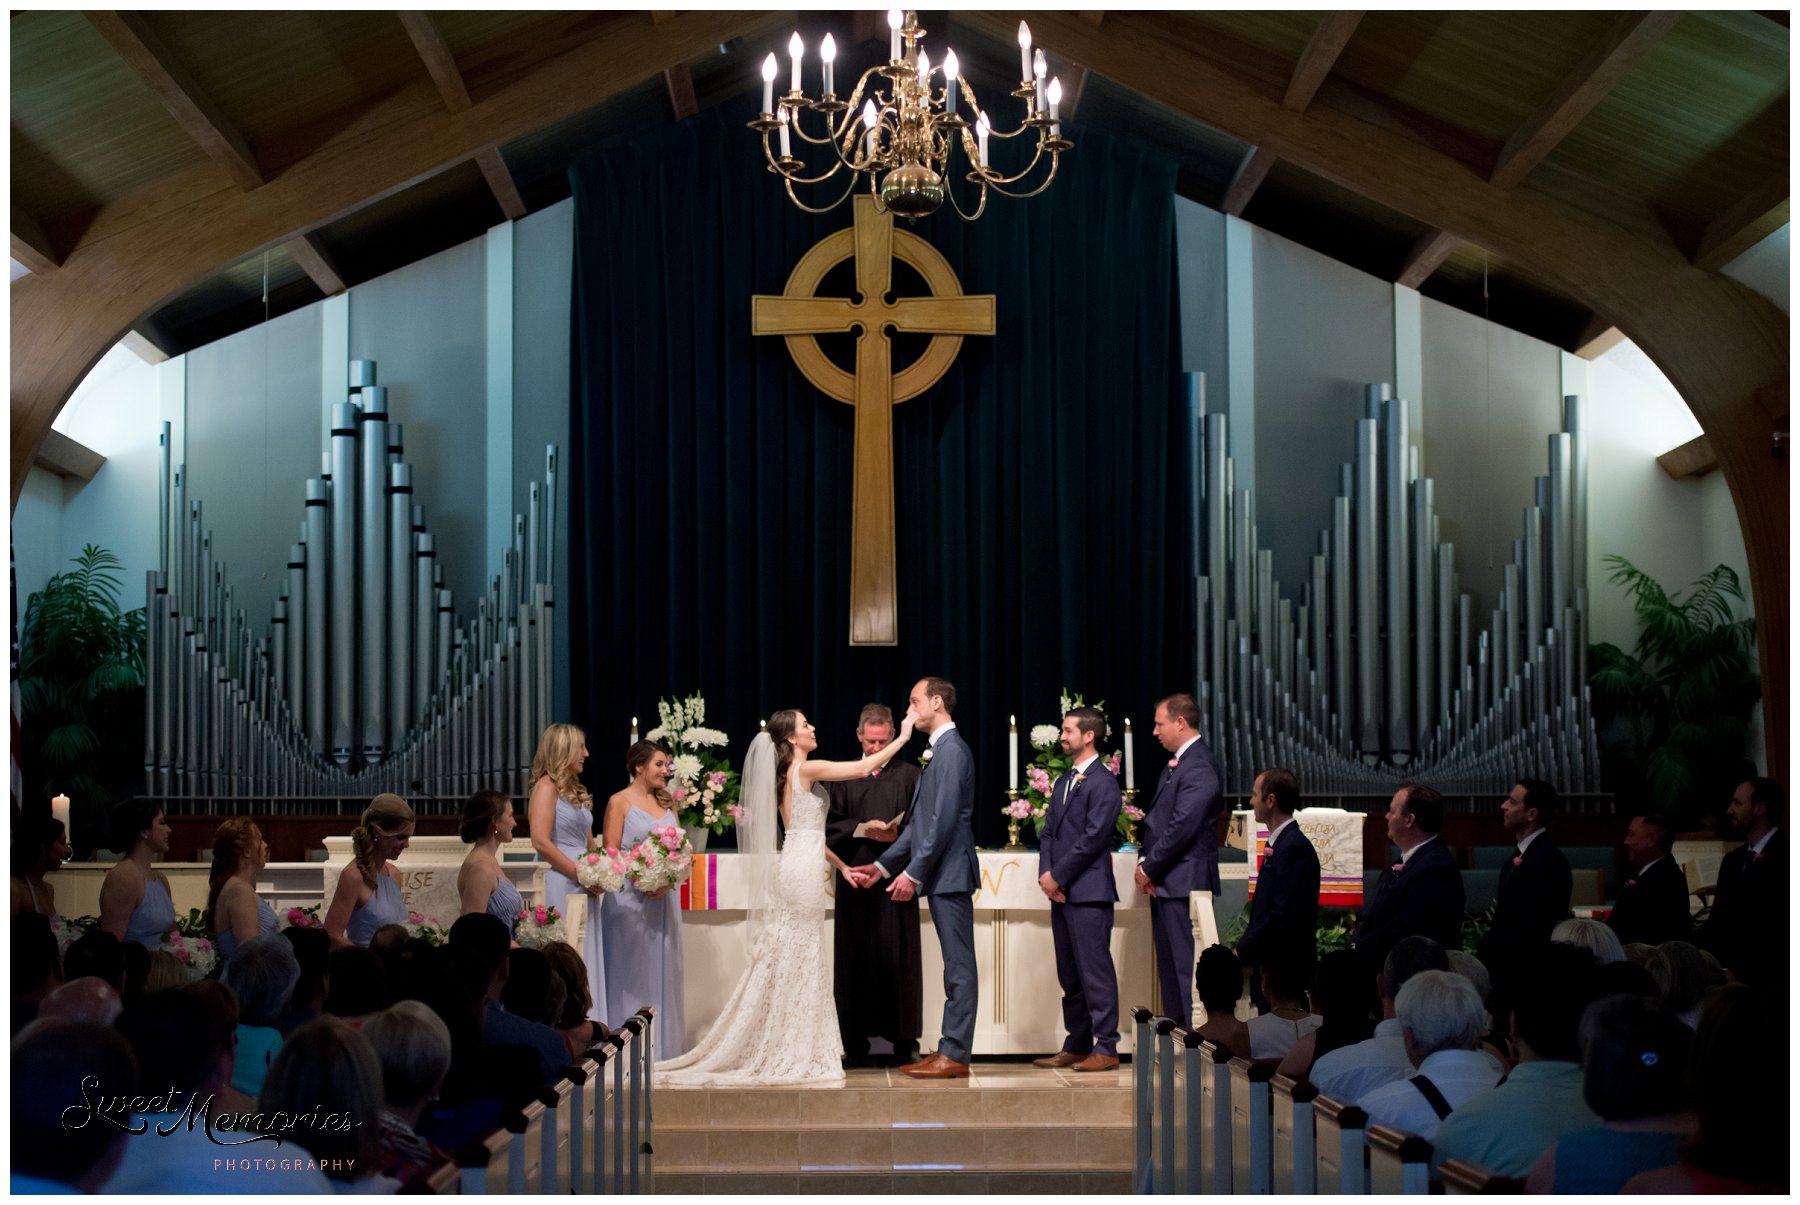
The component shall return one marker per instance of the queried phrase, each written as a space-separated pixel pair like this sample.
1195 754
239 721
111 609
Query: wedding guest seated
533 991
57 1064
1592 936
489 940
573 1022
1274 1033
487 824
483 1080
1507 1129
1682 979
358 984
166 971
1626 979
312 949
413 1046
36 970
95 953
84 1001
1441 1019
390 938
1220 980
1343 994
40 845
1653 901
1735 1083
1634 1053
326 1067
182 1040
1638 953
1476 972
135 904
263 973
1352 1072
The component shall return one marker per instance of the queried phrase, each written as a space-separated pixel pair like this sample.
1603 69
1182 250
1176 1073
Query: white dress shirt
1758 847
1530 837
1350 1072
1461 1075
1406 854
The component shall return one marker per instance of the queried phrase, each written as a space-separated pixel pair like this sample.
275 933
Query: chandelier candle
769 70
1055 100
796 48
1024 52
1040 67
828 52
981 135
950 78
896 18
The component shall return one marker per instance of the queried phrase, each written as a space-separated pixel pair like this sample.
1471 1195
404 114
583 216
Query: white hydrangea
1044 735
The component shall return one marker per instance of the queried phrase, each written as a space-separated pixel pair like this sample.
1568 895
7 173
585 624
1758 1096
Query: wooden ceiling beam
68 458
1628 39
131 37
1428 254
144 347
440 63
1723 347
308 250
1598 338
30 245
1741 227
500 181
1310 71
1695 458
1245 181
680 82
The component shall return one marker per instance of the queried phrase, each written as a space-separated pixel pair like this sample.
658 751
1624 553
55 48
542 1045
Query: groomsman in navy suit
1181 852
1075 872
1284 912
1420 894
1653 903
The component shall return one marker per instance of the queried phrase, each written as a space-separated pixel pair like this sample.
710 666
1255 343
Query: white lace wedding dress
780 1025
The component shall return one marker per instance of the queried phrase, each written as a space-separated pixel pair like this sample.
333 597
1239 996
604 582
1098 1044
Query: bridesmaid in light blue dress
368 893
481 884
562 829
234 912
643 932
134 897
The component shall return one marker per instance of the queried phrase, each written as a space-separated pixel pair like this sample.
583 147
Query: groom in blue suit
1075 872
935 858
1181 851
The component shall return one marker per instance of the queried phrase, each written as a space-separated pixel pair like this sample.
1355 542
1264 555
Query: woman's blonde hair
386 816
165 971
557 750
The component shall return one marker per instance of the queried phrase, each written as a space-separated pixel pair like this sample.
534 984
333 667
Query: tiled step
936 1183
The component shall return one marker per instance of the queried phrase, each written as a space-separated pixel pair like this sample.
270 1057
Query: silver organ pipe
365 680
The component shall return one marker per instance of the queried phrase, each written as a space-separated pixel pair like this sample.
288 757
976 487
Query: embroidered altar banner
1336 834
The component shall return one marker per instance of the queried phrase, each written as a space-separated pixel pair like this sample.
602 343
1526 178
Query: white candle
925 72
1012 751
1130 759
795 49
981 134
634 735
783 117
1039 69
828 52
869 120
59 809
950 78
1024 51
896 18
769 70
1055 100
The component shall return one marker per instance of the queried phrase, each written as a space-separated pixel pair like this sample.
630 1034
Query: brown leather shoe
924 1061
1062 1059
941 1067
1097 1062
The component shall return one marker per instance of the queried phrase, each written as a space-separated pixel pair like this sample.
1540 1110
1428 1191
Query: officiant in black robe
878 981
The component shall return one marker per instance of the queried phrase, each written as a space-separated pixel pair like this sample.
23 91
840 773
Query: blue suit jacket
937 850
1181 838
1284 912
1076 844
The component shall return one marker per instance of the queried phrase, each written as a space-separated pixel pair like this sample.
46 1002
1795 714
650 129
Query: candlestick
1024 51
795 49
1130 758
828 52
895 19
950 77
769 70
1012 751
1055 95
59 808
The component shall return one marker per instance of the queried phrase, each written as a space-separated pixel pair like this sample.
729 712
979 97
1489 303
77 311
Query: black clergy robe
877 979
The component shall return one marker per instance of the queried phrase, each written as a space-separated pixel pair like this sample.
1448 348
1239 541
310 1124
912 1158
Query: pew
643 1100
1252 1119
524 1172
1168 1140
1211 1065
553 1137
584 1085
1464 1179
1339 1152
1292 1144
483 1162
443 1180
1399 1163
1143 1094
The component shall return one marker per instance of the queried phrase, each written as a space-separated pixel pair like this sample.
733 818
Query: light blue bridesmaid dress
152 919
570 834
266 926
504 901
386 907
643 948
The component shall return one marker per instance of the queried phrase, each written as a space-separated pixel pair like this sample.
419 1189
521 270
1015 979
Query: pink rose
415 918
678 794
204 944
295 915
737 811
1398 866
522 914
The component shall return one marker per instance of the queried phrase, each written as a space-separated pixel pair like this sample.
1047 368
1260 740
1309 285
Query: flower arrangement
303 918
602 868
70 929
1049 764
192 925
195 953
535 928
426 928
1130 816
660 861
703 786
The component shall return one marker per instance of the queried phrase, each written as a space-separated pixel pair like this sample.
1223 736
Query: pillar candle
1012 752
59 808
1130 759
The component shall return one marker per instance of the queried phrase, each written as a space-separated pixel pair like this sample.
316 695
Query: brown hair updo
641 755
481 811
386 816
233 844
781 731
557 750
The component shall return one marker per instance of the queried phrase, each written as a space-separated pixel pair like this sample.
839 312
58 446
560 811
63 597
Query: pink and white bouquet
426 928
194 953
535 928
602 868
663 859
302 918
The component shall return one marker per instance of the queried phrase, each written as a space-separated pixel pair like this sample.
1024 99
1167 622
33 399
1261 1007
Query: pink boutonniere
1079 779
1631 882
1173 762
875 773
1397 867
1757 856
1517 859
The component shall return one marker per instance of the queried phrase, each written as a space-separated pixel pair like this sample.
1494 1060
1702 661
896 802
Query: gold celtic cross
874 388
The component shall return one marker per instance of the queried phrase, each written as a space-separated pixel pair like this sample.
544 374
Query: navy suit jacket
1284 912
1425 898
1077 841
1653 905
1181 837
1533 897
1747 928
937 848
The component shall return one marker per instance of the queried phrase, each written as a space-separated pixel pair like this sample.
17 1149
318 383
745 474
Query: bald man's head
89 1000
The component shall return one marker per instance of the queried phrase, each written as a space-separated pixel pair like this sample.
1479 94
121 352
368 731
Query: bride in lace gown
780 1025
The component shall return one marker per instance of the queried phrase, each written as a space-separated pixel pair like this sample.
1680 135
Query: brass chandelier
906 139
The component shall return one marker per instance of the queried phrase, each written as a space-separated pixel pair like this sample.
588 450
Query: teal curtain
1043 524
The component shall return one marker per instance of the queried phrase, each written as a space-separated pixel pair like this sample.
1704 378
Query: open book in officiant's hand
862 830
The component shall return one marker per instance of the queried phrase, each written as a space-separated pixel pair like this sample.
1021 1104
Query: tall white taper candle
1130 758
1012 751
